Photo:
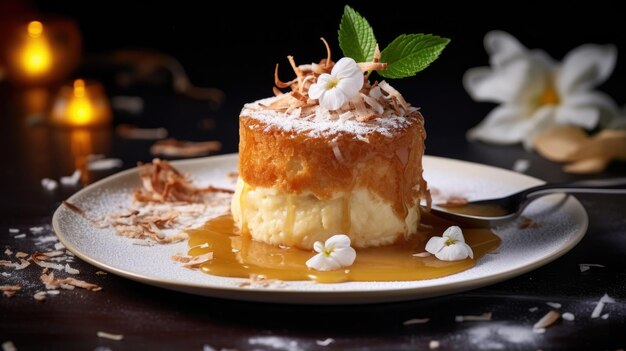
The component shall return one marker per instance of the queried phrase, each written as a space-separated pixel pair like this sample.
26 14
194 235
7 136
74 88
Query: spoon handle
597 186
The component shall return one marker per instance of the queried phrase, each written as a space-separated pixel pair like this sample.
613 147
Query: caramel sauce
235 254
477 210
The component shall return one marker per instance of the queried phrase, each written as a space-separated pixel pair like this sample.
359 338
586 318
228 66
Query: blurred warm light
41 52
36 53
82 104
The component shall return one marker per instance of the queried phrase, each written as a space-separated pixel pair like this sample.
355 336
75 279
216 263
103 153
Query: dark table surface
154 318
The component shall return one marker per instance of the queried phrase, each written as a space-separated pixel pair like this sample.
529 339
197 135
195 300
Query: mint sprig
411 53
407 55
356 36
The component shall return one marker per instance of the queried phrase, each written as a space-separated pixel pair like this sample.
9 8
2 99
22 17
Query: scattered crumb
526 222
433 344
325 342
586 266
547 320
49 184
533 309
8 252
8 346
21 254
71 270
483 317
422 254
72 180
554 304
101 273
53 292
5 274
10 290
21 236
40 296
105 335
208 348
416 321
104 164
36 230
597 311
521 165
605 316
14 230
568 316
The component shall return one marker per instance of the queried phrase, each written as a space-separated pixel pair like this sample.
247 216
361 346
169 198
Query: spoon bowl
498 211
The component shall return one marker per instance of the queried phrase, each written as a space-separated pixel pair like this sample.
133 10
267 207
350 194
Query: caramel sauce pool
236 255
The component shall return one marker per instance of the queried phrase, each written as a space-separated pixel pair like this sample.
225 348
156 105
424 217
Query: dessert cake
308 172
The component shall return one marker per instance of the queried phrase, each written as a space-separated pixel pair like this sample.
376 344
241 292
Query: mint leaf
411 53
356 37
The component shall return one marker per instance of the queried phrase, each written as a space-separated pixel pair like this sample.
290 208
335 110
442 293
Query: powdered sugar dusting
320 124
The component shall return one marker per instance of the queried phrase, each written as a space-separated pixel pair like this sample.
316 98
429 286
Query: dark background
236 48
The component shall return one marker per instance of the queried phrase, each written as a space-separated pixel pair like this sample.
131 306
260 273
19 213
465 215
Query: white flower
537 93
333 254
340 86
450 247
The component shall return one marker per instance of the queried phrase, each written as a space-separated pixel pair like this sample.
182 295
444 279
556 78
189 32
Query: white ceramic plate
563 224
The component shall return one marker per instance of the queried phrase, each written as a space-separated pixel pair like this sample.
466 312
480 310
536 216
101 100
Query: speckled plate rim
351 296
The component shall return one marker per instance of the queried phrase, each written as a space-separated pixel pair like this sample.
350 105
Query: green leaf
411 53
356 36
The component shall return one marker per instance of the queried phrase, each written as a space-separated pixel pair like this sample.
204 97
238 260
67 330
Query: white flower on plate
340 86
536 93
451 246
333 254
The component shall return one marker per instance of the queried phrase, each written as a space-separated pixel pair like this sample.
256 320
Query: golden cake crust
388 163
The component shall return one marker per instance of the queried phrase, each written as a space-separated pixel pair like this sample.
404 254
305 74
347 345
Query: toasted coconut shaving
105 335
279 83
328 53
178 148
164 183
482 317
372 66
547 320
416 321
10 290
40 296
53 283
259 280
454 201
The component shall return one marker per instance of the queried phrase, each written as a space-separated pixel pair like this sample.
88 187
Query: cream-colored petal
318 246
321 262
583 116
317 89
586 67
605 106
469 250
332 99
541 121
456 252
503 85
502 47
351 85
435 244
344 255
455 233
507 124
338 241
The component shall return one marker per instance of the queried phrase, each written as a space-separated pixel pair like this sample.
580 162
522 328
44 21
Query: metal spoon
493 212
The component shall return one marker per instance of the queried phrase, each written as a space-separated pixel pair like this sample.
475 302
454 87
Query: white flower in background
451 246
536 93
333 254
340 86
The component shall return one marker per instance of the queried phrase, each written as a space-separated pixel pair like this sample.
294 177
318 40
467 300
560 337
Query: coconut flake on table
49 184
416 321
546 321
586 266
467 318
21 236
521 165
36 230
110 336
597 311
72 179
104 164
554 304
8 346
324 342
568 316
433 344
14 230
